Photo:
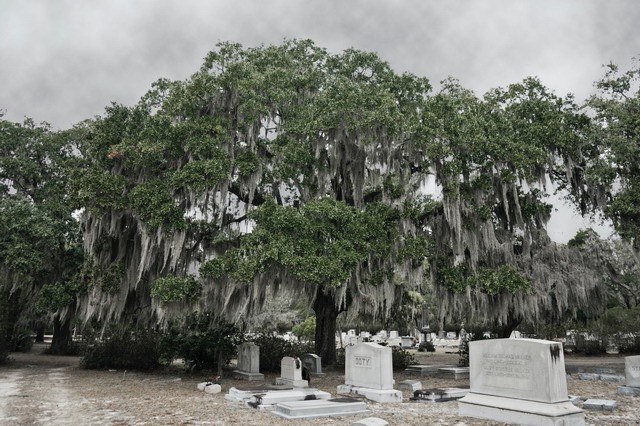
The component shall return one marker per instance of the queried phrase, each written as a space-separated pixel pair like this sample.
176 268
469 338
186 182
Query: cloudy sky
64 61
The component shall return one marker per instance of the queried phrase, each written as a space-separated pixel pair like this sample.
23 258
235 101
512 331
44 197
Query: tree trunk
5 326
326 314
40 328
61 335
504 330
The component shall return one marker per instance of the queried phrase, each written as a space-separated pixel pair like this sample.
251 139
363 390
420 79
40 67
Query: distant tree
39 246
611 167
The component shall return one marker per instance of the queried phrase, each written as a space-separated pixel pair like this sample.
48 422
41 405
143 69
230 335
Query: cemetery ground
44 389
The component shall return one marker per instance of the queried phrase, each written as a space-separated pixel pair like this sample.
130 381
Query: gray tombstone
519 381
248 362
313 363
632 376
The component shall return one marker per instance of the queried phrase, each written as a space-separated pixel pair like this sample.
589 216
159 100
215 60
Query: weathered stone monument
632 376
519 381
313 363
291 373
248 362
369 372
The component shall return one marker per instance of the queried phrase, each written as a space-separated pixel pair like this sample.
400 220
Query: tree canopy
330 178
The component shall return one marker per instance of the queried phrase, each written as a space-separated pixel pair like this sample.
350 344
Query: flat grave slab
245 375
303 394
599 404
244 394
383 396
455 373
410 385
320 408
370 421
628 391
424 370
439 394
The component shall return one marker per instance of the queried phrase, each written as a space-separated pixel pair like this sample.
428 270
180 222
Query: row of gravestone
511 380
248 365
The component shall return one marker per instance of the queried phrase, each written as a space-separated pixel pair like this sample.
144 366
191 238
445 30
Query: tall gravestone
369 372
248 367
519 381
632 376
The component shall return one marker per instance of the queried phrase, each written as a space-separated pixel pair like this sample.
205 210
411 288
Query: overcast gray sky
64 61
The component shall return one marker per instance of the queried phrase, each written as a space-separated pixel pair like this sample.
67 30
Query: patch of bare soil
43 389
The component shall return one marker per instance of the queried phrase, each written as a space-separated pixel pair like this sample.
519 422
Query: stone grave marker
248 362
455 373
291 373
369 372
519 381
599 404
320 408
632 376
393 334
313 363
438 394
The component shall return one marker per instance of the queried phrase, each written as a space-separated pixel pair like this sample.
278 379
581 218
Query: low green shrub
21 341
122 348
274 348
402 358
201 341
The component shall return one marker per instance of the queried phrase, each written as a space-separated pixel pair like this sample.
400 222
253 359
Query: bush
274 348
21 341
402 359
200 341
122 348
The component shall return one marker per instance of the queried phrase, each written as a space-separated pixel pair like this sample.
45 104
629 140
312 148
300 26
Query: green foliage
402 358
121 348
21 340
621 326
97 191
580 238
274 348
306 331
200 341
155 205
504 279
27 236
175 289
612 154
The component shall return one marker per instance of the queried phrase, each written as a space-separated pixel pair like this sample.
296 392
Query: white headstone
451 335
518 380
393 334
291 373
369 372
369 365
383 334
351 332
632 370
